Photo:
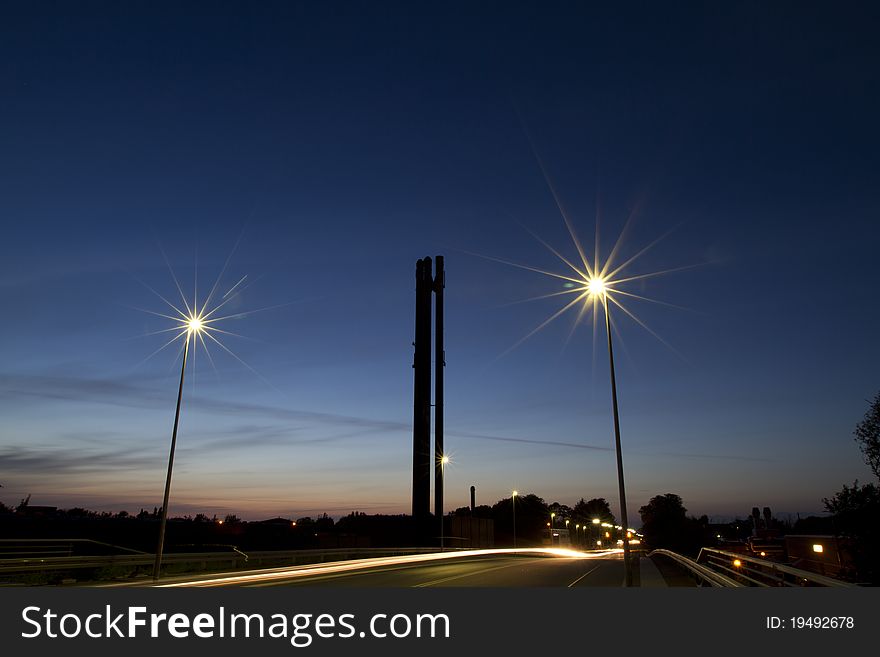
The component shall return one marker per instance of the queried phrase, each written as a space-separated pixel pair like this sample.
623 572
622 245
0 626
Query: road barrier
704 575
77 569
753 571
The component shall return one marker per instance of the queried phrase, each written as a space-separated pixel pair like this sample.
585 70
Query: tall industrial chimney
421 479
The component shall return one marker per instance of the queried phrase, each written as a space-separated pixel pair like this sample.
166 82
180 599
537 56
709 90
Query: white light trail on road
295 572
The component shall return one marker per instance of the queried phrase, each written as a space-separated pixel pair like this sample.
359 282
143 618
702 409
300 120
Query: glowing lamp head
194 324
596 286
444 460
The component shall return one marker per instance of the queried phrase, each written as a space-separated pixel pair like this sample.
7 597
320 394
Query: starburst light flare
593 285
193 323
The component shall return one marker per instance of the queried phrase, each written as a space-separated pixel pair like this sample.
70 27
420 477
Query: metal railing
704 575
754 571
52 569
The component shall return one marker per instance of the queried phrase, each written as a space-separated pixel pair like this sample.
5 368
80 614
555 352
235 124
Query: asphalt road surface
487 572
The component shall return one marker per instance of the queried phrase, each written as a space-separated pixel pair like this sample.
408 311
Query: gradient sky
337 143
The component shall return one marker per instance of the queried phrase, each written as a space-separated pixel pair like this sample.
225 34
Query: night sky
322 148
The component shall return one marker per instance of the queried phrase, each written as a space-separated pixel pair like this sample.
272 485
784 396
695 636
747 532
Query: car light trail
353 565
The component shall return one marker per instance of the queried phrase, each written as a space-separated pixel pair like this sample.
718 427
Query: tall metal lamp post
194 326
597 287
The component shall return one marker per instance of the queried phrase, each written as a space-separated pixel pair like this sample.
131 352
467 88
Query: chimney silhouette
421 476
428 283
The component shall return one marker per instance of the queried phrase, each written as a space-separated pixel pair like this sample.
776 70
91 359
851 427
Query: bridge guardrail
131 565
702 573
754 571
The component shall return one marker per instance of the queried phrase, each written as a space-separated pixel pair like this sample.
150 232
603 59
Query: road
477 568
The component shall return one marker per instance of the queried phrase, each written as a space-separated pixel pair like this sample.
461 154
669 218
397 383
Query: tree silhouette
532 516
868 436
666 525
856 510
598 507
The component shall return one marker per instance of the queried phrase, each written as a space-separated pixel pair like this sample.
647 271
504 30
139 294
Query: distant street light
444 461
513 504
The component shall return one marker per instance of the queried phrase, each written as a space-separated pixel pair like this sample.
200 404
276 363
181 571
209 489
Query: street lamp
513 504
595 521
444 460
597 283
193 322
598 288
552 525
194 326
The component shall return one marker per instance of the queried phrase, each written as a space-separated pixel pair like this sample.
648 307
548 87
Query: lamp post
194 325
597 287
552 526
513 504
443 461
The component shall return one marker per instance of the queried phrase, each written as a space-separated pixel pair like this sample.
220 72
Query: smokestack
421 486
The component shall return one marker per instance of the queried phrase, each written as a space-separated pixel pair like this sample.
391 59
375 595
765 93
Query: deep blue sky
337 143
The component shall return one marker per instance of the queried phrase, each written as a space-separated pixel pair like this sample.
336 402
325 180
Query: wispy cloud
527 441
63 461
119 392
289 426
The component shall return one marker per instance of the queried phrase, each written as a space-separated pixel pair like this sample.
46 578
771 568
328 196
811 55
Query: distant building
559 537
470 532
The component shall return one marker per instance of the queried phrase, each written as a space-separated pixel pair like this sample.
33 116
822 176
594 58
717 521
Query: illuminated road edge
290 572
